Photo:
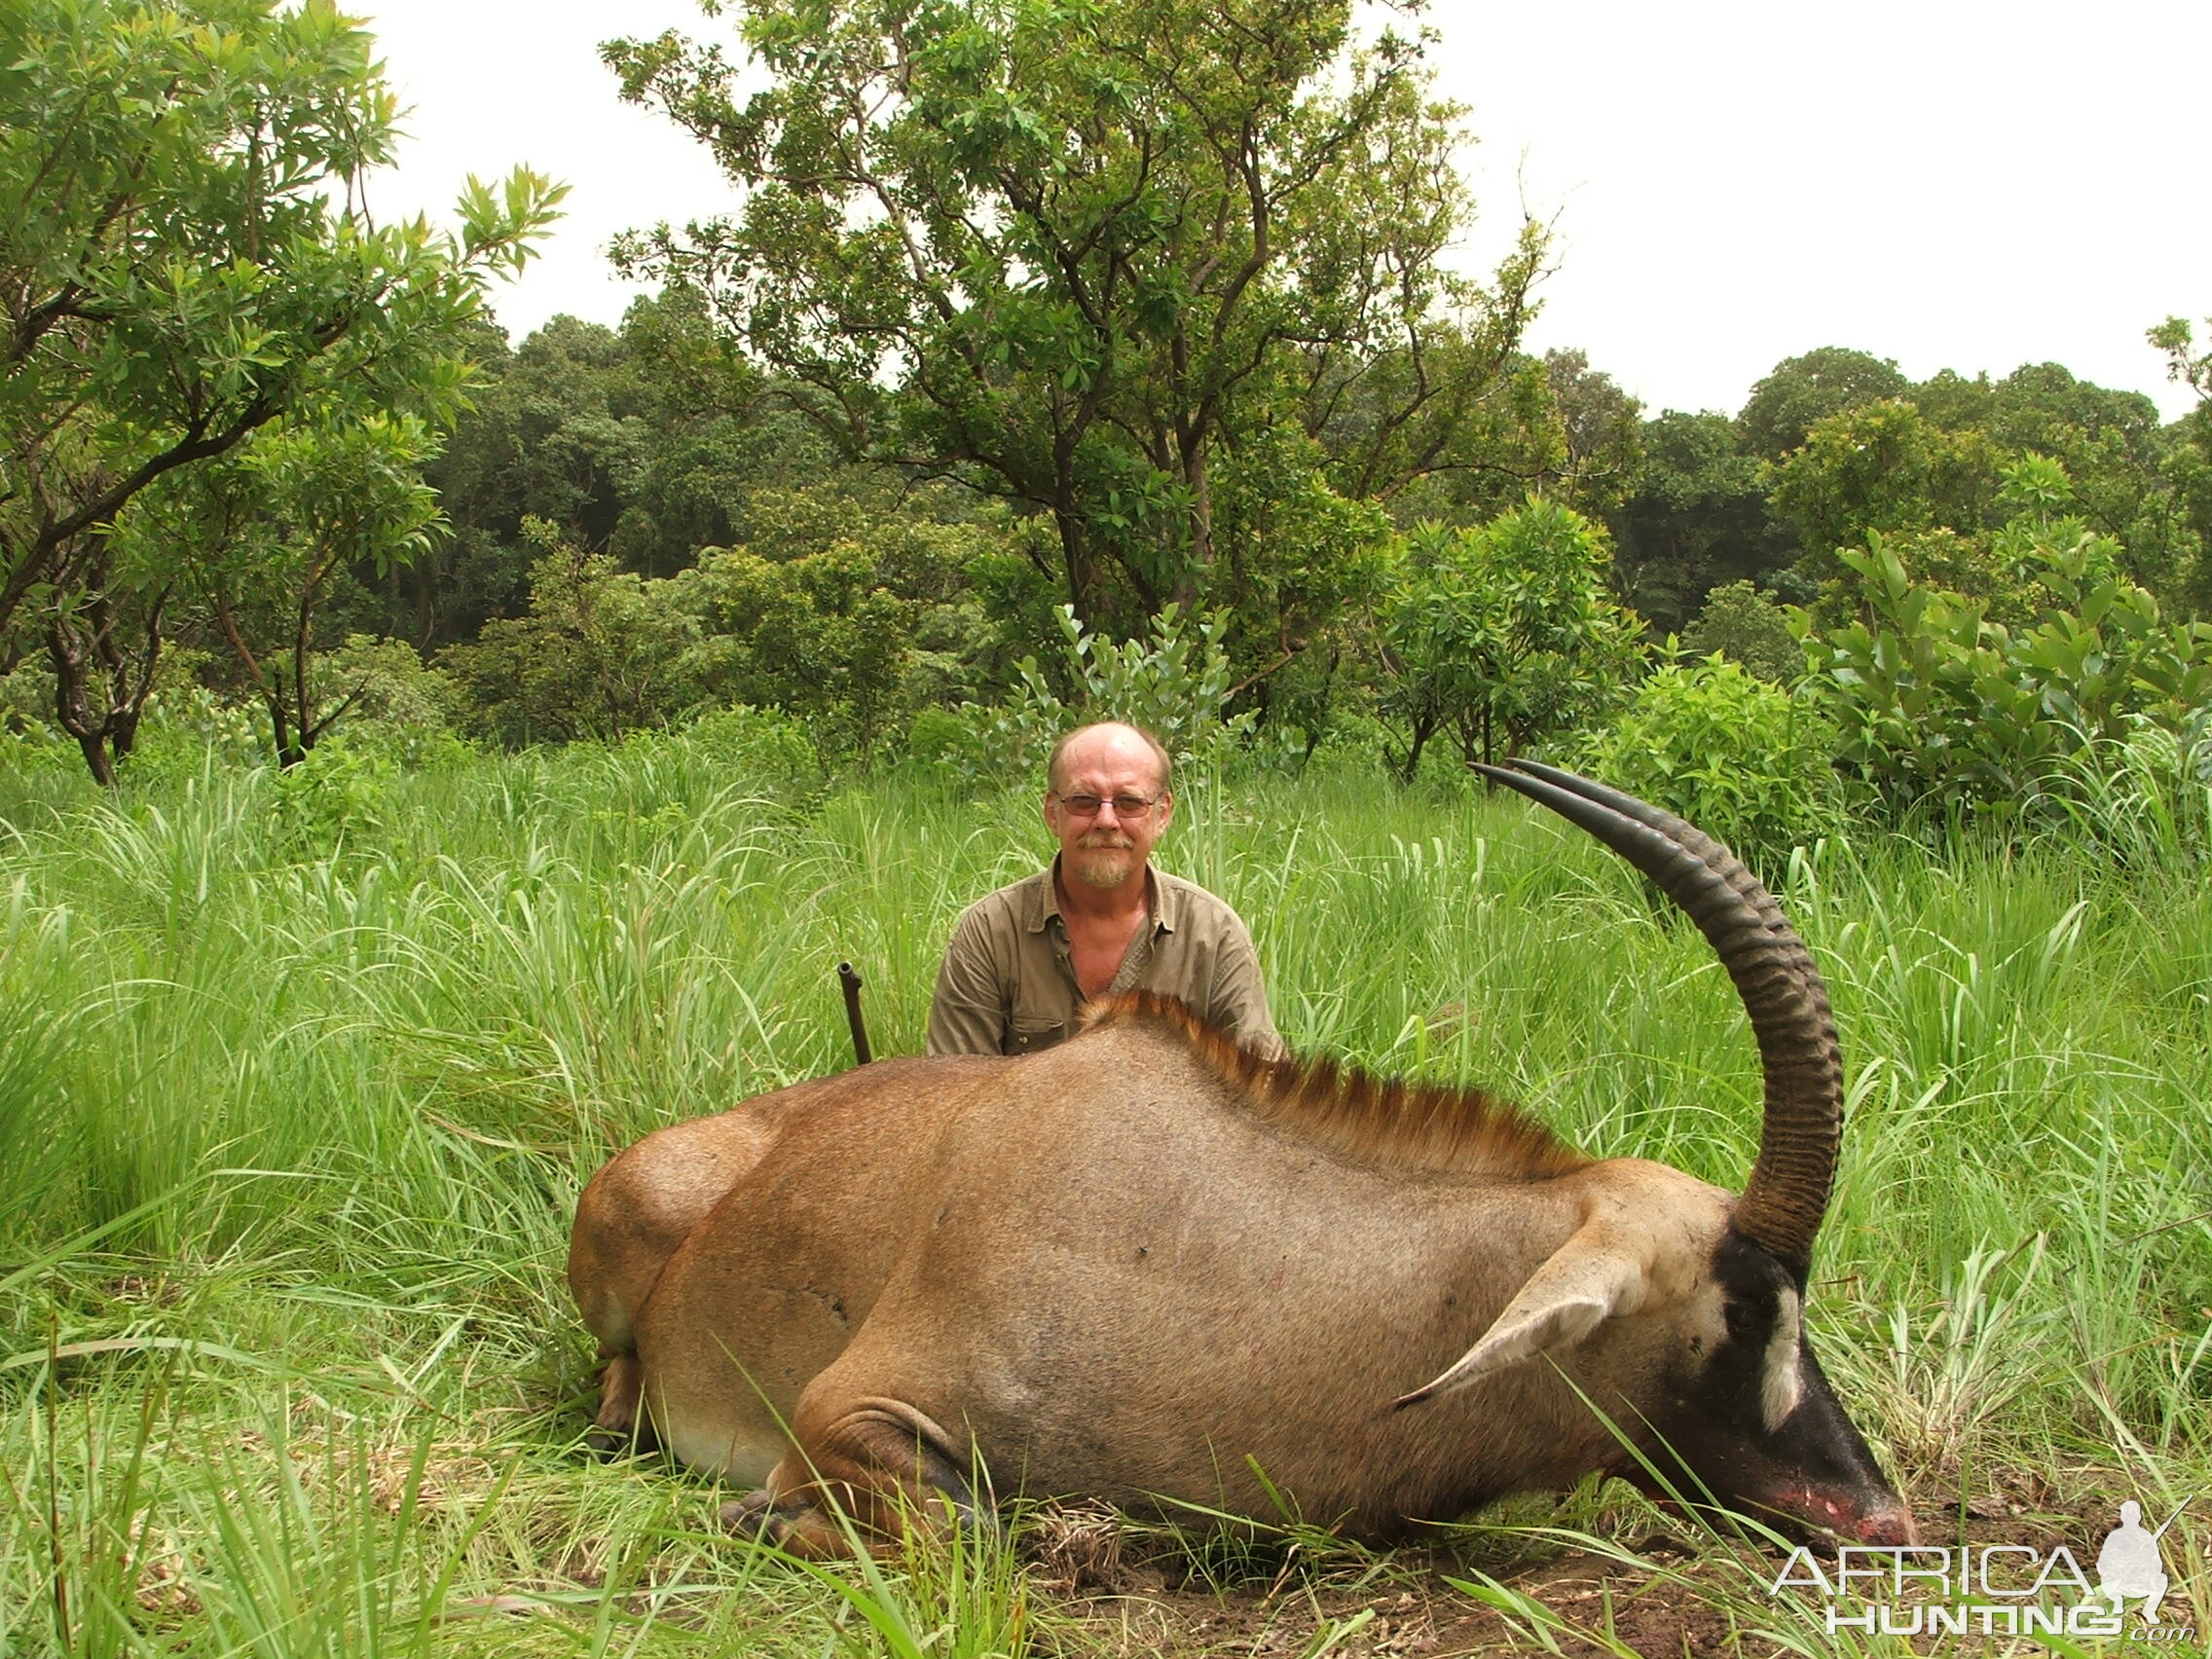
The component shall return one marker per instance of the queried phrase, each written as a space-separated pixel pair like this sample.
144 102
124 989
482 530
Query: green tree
1731 751
1067 251
1883 467
2184 362
1934 701
1799 393
2188 459
1602 455
601 651
1298 563
1740 624
1698 519
560 432
558 428
1700 516
175 275
819 636
2114 450
278 526
1502 635
1835 444
846 615
1176 681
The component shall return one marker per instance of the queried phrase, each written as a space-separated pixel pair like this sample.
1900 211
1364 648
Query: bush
29 740
1733 753
1502 635
601 653
1175 684
402 708
338 795
1935 702
188 728
1743 625
819 636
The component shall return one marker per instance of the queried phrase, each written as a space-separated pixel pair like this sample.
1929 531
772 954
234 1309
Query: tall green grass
296 1094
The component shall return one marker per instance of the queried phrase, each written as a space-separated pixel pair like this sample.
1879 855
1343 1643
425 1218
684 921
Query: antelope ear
1588 1279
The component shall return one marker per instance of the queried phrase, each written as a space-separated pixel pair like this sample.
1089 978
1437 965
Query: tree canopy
1072 253
1042 326
183 263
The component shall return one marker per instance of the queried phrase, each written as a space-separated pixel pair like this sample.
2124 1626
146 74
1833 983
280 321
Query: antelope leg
861 1470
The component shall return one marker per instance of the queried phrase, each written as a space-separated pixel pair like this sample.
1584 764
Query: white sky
1971 184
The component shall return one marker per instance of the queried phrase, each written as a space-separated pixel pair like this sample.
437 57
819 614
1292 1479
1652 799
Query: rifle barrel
851 980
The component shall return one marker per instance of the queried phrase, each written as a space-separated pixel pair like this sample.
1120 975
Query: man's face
1104 849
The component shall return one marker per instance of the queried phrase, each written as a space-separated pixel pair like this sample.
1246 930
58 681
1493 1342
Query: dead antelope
1151 1267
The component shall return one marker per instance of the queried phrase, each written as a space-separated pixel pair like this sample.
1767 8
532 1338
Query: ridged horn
1774 974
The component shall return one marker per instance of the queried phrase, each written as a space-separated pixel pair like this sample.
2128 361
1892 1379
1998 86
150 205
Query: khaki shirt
1008 985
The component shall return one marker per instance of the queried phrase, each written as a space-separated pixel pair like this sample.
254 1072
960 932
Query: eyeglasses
1087 806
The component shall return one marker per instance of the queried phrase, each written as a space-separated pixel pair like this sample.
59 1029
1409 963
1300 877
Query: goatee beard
1103 868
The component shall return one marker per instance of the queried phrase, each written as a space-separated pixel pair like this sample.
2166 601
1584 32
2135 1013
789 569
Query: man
1100 921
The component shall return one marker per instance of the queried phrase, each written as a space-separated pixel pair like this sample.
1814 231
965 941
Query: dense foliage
1502 637
1052 340
1734 755
1073 255
179 287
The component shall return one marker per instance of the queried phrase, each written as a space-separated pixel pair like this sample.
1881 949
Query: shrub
339 794
188 729
29 740
1733 753
1175 684
1743 625
602 651
402 708
1503 635
818 635
1934 701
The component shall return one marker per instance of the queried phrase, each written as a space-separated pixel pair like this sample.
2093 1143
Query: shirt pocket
1025 1037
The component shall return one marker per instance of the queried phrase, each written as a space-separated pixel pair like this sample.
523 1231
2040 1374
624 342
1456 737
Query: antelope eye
1741 1317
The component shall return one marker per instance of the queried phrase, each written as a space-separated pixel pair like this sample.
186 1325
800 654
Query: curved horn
1772 971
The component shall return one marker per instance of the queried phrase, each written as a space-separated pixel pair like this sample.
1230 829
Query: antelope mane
1387 1123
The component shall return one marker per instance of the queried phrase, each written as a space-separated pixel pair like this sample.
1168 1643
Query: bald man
1023 961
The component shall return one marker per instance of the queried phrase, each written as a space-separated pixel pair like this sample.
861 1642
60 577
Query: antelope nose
1889 1525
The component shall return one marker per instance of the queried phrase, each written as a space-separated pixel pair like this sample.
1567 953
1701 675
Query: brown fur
1386 1121
1148 1267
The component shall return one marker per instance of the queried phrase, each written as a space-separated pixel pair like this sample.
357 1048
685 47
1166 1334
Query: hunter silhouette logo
2010 1590
2130 1565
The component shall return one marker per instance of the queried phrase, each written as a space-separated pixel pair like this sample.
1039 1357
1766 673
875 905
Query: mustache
1105 838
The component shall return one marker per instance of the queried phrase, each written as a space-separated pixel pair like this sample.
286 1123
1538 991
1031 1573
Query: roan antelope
1151 1267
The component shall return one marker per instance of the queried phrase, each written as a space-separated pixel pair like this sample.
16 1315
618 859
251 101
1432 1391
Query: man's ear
1594 1276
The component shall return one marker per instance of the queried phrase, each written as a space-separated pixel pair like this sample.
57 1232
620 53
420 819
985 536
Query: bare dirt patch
1665 1597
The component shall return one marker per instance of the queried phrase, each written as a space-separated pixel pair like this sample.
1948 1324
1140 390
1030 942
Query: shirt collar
1166 908
1043 903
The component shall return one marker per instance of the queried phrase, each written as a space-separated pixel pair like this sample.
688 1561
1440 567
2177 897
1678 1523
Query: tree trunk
1324 702
1197 478
81 659
1424 727
272 692
1075 559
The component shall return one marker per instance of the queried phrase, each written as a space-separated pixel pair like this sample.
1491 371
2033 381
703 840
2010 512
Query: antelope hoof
609 1446
750 1516
620 1445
